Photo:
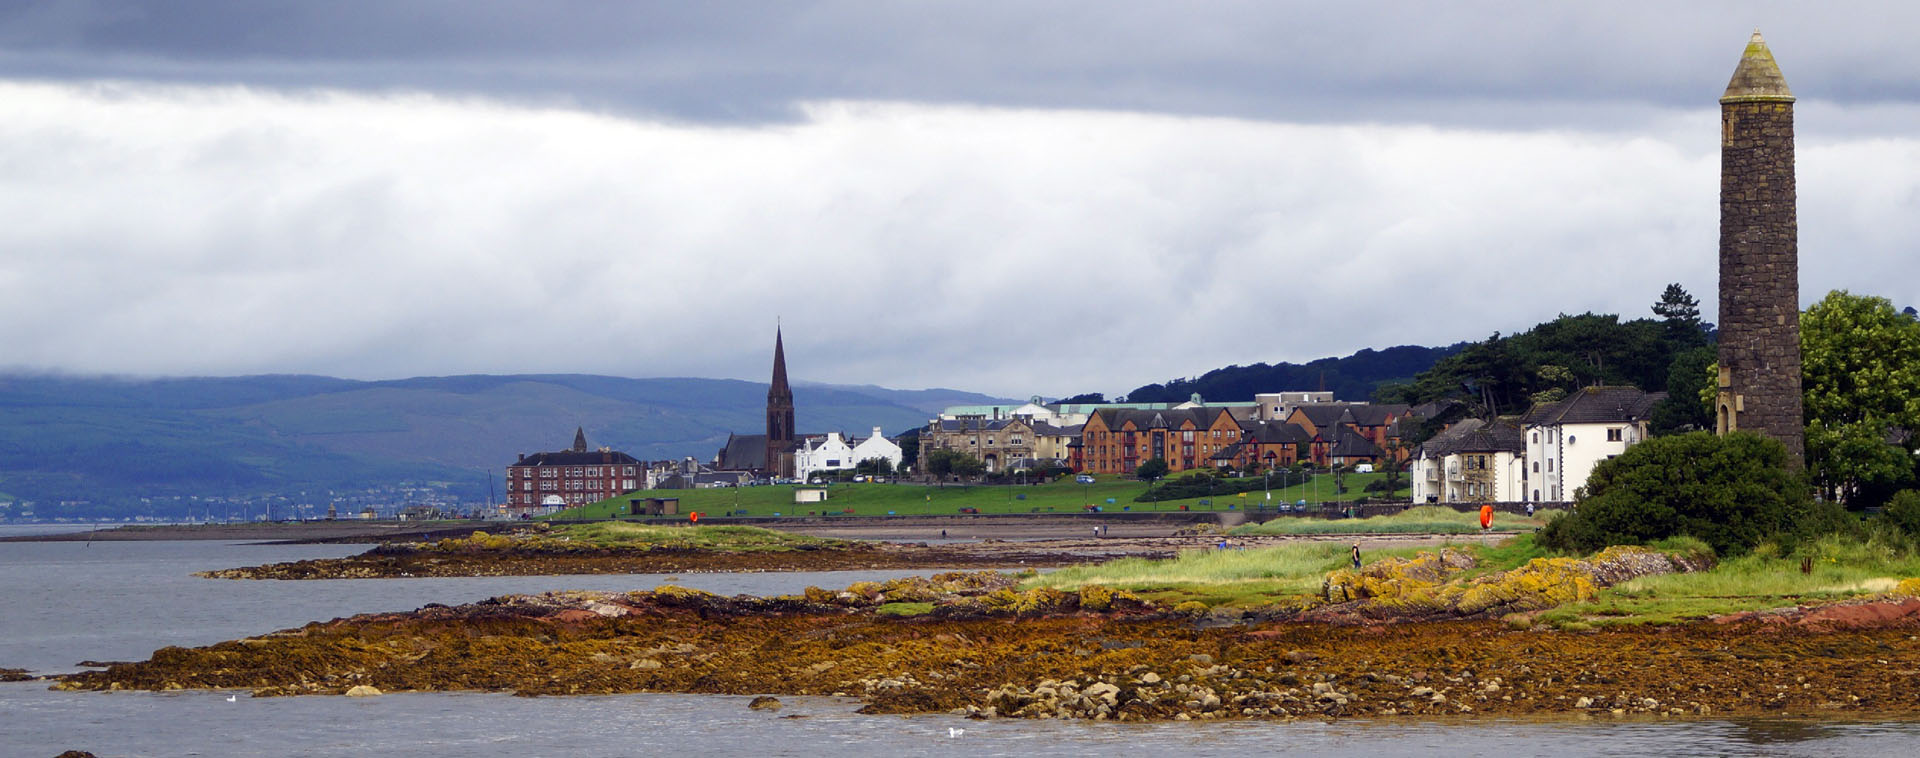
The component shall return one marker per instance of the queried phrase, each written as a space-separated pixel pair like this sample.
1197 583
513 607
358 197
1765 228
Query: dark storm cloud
1507 64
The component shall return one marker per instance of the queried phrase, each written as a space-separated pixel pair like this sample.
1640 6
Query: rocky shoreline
971 644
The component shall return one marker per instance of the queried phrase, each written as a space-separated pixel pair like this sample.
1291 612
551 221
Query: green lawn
866 499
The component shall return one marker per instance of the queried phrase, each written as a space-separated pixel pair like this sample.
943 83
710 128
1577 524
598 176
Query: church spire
579 439
779 385
780 435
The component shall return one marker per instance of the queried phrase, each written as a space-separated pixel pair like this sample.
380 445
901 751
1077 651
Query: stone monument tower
1759 383
780 437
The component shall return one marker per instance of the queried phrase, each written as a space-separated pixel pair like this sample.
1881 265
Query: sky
1015 198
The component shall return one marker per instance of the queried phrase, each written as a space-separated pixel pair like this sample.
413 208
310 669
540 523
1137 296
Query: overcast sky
1016 198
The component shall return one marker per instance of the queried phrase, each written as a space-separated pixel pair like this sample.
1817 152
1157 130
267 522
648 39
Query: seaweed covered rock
1432 583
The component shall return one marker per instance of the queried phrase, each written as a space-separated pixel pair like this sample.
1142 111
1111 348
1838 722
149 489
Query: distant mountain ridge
108 439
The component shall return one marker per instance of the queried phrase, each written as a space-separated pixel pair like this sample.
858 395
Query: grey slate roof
572 458
743 452
1159 419
1352 444
1595 405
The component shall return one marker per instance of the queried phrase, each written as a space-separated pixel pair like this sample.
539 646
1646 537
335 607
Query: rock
765 703
644 663
1299 656
1104 691
1424 692
1150 678
76 754
1585 702
1201 658
364 690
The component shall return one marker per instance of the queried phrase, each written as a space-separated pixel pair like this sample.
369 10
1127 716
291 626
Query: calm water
64 602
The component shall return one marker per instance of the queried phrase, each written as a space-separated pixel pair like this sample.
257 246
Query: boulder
363 690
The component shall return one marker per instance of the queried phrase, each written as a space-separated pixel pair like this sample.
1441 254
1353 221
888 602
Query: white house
876 445
1471 462
1567 439
832 452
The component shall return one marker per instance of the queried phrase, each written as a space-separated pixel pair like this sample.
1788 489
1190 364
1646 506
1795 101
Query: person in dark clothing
1356 556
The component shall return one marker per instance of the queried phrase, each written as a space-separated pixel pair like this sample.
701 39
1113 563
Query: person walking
1356 556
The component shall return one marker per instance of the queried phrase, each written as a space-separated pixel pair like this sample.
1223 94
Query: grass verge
1425 519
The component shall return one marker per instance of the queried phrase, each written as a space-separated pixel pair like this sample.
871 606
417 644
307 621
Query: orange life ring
1486 516
693 516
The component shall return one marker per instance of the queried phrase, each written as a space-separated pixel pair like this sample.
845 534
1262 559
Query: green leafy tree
1860 362
1690 393
1150 469
874 467
1732 492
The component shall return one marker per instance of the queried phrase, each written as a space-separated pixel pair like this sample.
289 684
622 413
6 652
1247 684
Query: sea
65 602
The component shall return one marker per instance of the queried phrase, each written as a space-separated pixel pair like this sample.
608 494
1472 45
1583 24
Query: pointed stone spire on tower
579 439
1757 78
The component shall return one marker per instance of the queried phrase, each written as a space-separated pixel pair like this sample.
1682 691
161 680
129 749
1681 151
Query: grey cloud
1487 64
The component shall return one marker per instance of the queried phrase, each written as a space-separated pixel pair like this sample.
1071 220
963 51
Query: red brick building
1118 440
574 477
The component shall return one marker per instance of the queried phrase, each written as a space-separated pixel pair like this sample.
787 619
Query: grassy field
867 499
1426 519
1841 568
1247 578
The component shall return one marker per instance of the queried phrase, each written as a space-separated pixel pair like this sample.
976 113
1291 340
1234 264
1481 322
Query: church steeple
780 435
579 439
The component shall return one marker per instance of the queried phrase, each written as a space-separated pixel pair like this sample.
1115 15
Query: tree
874 467
943 462
1679 309
1150 469
910 449
1089 397
1860 364
1733 492
1690 393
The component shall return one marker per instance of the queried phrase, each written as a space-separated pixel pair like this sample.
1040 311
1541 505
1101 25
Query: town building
1117 441
1001 444
833 452
572 477
1567 439
1472 462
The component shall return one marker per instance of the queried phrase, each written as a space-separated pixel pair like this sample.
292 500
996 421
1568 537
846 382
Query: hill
117 447
1354 377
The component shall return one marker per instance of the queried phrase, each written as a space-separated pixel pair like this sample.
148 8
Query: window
1549 465
1186 436
1536 467
1613 435
989 440
1014 440
1536 438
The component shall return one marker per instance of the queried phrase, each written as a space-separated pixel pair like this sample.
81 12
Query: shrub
1903 513
1731 492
